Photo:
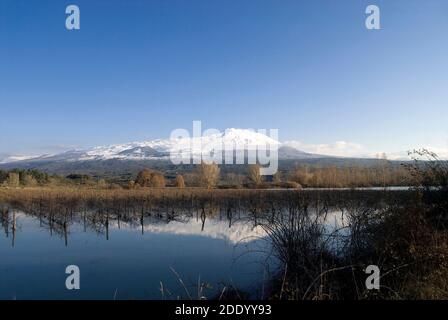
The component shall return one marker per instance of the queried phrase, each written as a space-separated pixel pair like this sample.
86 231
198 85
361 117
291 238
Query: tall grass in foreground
407 240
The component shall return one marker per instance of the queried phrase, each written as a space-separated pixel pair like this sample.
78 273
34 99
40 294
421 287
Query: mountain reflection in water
130 258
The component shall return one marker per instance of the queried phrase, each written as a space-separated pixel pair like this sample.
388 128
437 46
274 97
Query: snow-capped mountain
234 139
238 139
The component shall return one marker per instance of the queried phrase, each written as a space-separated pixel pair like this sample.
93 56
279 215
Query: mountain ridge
158 149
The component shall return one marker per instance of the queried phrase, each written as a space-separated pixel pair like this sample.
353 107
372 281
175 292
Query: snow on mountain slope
236 139
8 159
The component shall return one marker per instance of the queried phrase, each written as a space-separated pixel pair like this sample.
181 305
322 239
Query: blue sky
139 69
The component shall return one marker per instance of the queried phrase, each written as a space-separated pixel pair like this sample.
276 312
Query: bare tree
29 180
150 178
102 183
208 175
144 178
179 182
254 174
13 179
157 180
131 184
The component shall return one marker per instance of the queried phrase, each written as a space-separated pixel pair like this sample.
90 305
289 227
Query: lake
166 244
131 262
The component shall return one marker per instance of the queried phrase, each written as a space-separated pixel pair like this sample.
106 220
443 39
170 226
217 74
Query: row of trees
335 177
206 175
19 177
210 176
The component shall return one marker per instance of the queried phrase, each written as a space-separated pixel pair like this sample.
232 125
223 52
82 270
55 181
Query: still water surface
131 261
